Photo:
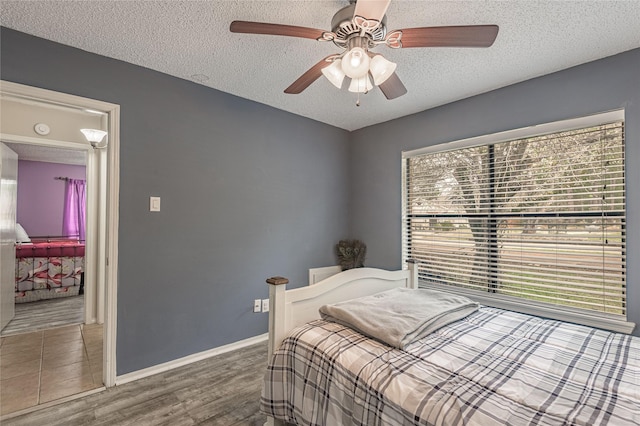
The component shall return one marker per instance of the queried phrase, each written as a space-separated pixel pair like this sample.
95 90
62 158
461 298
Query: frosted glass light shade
360 85
334 73
93 135
355 63
381 69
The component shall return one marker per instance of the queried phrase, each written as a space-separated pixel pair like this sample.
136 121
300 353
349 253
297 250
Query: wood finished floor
222 390
44 314
43 366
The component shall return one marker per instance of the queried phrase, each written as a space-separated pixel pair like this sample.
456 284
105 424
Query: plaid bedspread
494 367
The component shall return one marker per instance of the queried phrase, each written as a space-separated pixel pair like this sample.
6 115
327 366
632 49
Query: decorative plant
351 254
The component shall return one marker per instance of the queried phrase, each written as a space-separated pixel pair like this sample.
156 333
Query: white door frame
103 172
8 204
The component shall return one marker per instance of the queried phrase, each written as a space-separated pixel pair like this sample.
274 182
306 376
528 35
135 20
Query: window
533 217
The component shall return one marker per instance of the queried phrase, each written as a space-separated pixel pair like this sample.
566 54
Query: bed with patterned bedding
493 367
48 269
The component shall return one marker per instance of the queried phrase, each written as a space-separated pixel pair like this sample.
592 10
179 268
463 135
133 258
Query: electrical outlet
265 305
257 305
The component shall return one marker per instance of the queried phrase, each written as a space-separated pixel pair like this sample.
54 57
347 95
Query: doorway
50 233
102 201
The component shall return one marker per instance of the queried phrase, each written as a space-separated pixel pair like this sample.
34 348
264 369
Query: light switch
154 204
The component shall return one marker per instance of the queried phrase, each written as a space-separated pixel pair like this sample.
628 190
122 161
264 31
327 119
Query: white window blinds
539 218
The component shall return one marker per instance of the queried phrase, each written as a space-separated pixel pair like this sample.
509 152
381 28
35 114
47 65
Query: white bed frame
292 308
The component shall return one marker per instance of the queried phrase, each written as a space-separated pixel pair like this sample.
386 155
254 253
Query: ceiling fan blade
454 36
371 9
308 77
393 87
249 27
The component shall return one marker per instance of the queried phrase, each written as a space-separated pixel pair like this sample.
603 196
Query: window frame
564 313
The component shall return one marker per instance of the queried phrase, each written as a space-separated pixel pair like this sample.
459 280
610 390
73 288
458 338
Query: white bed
494 367
292 308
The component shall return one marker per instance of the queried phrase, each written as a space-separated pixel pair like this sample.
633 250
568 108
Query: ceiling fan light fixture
360 85
355 63
334 73
359 27
381 69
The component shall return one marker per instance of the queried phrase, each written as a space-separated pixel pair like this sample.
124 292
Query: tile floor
42 366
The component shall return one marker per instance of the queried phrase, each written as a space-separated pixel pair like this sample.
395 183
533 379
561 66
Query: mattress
48 270
494 367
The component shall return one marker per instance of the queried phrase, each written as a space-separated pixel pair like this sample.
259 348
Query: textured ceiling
48 154
191 40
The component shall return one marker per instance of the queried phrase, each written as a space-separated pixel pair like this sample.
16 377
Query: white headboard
292 308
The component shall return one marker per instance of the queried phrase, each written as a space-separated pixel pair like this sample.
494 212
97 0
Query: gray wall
603 85
248 192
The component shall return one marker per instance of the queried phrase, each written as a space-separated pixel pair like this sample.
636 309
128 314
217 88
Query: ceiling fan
357 29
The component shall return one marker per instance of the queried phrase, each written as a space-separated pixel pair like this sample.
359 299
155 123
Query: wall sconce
95 136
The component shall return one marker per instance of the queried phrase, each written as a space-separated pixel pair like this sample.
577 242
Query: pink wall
41 197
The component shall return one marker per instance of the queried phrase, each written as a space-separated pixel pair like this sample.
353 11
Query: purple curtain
73 218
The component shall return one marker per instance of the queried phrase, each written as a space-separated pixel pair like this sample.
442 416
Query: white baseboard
160 368
319 274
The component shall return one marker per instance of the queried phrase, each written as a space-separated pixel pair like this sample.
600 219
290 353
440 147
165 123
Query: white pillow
21 234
